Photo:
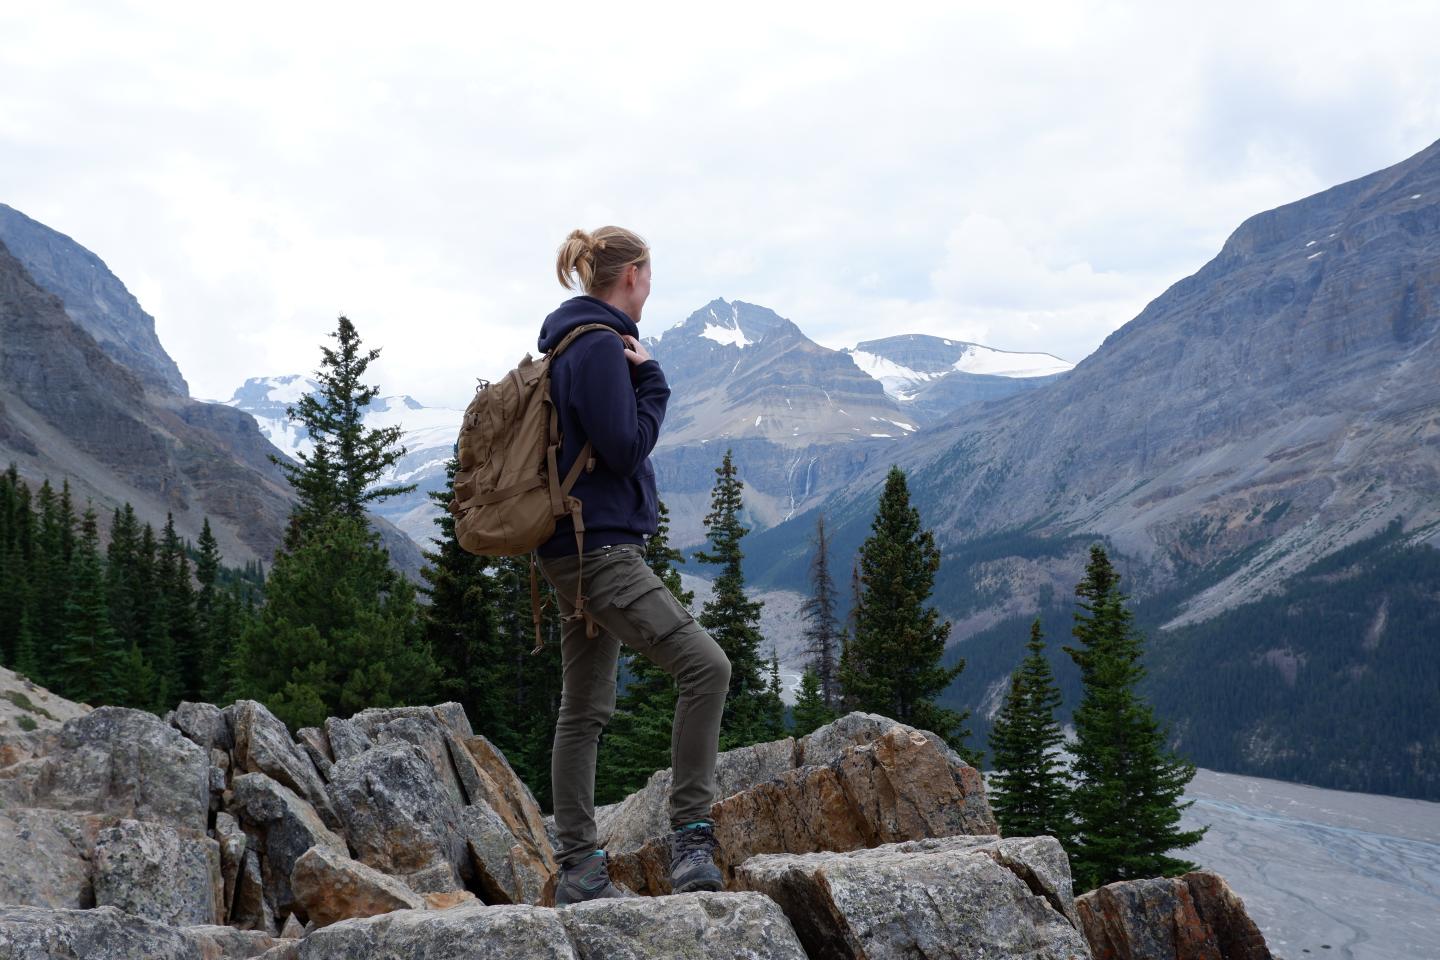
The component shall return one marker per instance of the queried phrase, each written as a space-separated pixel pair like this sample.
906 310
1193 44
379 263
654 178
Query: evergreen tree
190 664
731 617
849 666
1128 787
88 664
210 643
461 622
122 561
822 631
339 631
347 458
17 556
636 742
772 725
898 642
1029 789
811 713
529 685
52 579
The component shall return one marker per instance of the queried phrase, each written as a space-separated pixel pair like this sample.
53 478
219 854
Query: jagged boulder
645 814
280 827
449 715
233 842
399 819
317 745
1194 917
431 739
346 739
155 871
899 786
45 858
511 850
940 898
105 933
128 763
263 745
251 909
333 887
699 925
203 724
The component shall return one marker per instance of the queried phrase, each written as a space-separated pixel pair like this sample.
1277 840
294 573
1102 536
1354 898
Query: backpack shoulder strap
573 335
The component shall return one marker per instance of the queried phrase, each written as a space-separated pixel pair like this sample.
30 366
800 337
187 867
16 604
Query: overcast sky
1024 175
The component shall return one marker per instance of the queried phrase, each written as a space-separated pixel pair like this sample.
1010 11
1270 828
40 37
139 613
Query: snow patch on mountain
723 334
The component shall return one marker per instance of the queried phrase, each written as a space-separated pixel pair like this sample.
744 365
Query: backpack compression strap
561 502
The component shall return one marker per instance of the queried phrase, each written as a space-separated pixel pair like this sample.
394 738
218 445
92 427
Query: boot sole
701 885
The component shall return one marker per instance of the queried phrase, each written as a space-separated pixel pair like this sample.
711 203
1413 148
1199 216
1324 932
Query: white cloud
1027 176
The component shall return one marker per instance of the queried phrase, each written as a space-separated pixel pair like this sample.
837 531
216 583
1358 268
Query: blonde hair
598 259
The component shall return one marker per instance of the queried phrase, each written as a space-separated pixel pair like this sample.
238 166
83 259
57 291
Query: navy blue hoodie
604 398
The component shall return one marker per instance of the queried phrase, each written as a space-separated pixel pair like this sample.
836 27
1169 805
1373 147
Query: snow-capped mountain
429 439
931 377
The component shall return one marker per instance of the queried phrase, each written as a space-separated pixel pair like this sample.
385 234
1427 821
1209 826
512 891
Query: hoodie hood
578 311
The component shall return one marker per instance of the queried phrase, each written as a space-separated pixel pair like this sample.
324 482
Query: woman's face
638 289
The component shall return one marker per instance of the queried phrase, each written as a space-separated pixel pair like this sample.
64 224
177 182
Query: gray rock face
45 858
346 739
398 818
94 298
518 932
263 745
449 715
203 724
154 871
431 740
281 827
251 909
317 745
513 854
940 898
700 925
105 933
129 763
232 842
696 926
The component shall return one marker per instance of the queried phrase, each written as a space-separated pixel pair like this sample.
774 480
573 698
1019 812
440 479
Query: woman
609 392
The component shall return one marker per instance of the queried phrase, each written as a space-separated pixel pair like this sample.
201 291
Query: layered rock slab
898 786
45 858
746 926
1194 917
332 887
935 898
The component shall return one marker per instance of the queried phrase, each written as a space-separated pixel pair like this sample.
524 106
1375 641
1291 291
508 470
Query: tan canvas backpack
508 492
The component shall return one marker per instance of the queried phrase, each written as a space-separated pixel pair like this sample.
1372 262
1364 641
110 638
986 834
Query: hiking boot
587 880
692 858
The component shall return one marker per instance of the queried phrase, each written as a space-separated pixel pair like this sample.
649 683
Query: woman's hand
635 351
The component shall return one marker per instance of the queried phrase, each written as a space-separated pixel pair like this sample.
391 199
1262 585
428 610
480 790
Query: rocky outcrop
263 745
1194 917
941 898
899 786
141 837
695 925
280 827
154 871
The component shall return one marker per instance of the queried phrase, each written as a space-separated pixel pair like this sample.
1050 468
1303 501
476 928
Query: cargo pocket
650 608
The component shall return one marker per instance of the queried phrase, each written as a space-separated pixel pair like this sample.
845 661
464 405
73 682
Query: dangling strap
535 607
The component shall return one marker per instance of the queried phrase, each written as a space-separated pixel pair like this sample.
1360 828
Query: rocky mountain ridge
109 412
401 832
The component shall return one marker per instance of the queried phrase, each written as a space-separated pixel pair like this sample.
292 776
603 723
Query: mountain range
88 394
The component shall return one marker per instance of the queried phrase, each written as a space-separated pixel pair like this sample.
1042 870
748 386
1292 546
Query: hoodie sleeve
621 418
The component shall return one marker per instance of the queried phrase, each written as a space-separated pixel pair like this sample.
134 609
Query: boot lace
695 845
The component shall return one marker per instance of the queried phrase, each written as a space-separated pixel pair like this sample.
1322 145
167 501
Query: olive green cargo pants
631 606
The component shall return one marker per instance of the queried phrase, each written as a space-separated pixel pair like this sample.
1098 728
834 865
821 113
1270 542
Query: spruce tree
341 471
730 616
211 645
17 557
191 659
461 622
773 709
810 713
822 631
898 642
1029 789
122 559
338 632
88 665
1128 785
637 739
52 579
